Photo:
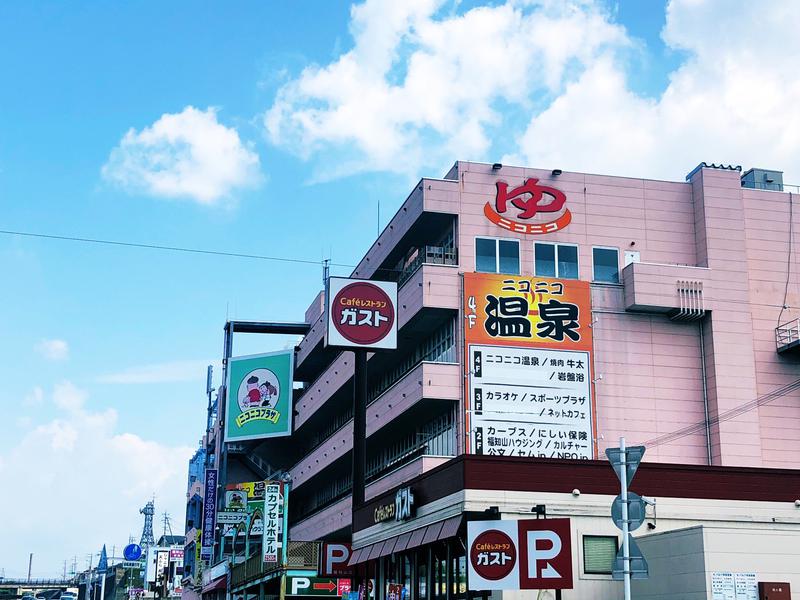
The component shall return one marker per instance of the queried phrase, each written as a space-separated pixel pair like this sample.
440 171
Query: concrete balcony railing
338 515
438 381
427 255
681 291
431 206
430 287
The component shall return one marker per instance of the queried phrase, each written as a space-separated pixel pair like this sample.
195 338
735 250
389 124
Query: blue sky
275 129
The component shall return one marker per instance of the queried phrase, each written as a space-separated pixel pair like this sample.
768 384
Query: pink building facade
694 289
708 246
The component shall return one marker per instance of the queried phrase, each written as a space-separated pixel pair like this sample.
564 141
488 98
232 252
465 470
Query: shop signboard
274 512
244 507
334 557
259 396
361 314
401 509
231 517
198 544
529 554
395 591
528 366
209 512
531 208
317 586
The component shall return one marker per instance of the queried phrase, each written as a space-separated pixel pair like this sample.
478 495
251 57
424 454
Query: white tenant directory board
726 585
532 402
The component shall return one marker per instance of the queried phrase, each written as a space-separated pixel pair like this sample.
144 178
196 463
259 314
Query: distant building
194 511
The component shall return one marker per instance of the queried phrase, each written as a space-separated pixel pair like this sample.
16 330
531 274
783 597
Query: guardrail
4 582
428 255
787 335
301 555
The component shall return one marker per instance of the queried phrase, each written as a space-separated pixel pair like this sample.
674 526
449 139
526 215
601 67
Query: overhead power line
84 240
725 416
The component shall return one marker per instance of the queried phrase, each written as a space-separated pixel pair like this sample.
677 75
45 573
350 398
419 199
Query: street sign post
636 511
637 564
132 552
627 511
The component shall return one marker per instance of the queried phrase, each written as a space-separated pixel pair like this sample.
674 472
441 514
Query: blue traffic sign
132 552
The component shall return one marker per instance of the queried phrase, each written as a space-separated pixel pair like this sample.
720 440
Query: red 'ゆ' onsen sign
529 199
363 313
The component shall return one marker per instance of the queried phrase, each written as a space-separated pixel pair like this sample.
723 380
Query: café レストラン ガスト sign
401 509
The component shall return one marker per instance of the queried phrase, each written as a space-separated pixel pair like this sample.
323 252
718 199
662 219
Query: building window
605 265
497 256
556 260
599 552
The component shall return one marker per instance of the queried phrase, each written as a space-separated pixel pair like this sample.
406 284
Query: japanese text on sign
361 313
209 507
273 520
528 365
530 402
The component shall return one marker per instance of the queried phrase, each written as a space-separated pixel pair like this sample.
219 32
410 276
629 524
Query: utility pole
64 574
30 564
89 580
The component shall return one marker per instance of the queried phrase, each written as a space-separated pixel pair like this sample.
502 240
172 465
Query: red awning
450 527
432 533
375 550
388 546
402 542
416 538
217 584
355 557
424 535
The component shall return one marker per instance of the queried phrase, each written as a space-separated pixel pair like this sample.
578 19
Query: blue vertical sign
209 512
102 566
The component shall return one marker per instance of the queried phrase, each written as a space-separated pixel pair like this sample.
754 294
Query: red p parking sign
519 555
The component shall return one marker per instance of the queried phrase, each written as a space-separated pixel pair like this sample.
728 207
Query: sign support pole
359 435
359 427
626 556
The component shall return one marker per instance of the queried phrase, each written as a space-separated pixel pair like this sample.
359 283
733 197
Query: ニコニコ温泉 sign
528 365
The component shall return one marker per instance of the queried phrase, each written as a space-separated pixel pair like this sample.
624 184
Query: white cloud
35 398
53 349
733 101
419 87
184 155
78 483
68 397
422 86
168 372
